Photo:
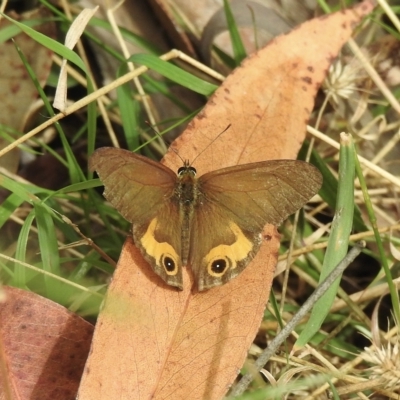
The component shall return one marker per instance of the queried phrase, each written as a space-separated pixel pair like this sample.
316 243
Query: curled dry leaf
17 91
44 347
72 37
154 342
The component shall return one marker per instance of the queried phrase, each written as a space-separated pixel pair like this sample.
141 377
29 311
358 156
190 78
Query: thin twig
242 385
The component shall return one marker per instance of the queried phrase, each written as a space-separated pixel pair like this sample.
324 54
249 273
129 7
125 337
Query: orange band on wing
231 254
162 252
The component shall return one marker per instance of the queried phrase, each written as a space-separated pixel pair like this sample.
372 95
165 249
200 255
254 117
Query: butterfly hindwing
160 243
219 248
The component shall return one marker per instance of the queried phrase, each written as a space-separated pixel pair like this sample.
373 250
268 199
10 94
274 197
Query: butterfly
213 223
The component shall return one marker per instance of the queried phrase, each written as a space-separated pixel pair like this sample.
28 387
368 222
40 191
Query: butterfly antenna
161 138
198 155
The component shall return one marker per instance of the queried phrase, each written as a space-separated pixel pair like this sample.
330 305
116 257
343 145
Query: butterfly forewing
141 190
260 193
135 185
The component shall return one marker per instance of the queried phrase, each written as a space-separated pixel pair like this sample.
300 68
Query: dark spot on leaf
330 59
307 79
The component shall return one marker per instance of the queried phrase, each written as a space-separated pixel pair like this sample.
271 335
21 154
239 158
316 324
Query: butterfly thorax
186 186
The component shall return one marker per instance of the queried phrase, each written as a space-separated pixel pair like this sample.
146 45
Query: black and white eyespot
169 264
219 266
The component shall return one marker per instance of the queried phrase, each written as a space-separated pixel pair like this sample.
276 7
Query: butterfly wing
237 202
219 248
141 190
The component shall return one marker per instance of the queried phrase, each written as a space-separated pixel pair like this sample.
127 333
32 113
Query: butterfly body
212 223
187 196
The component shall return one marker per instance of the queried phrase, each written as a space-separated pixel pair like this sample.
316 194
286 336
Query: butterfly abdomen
186 194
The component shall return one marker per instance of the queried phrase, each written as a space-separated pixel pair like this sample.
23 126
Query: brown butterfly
214 222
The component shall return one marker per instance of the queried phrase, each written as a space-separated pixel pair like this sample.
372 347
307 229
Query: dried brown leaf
44 347
154 342
17 91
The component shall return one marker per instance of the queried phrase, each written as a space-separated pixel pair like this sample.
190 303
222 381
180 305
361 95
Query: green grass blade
174 73
129 36
25 192
329 188
71 56
383 259
49 43
157 86
48 251
128 108
8 207
20 274
239 50
77 187
8 32
338 240
74 169
91 129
